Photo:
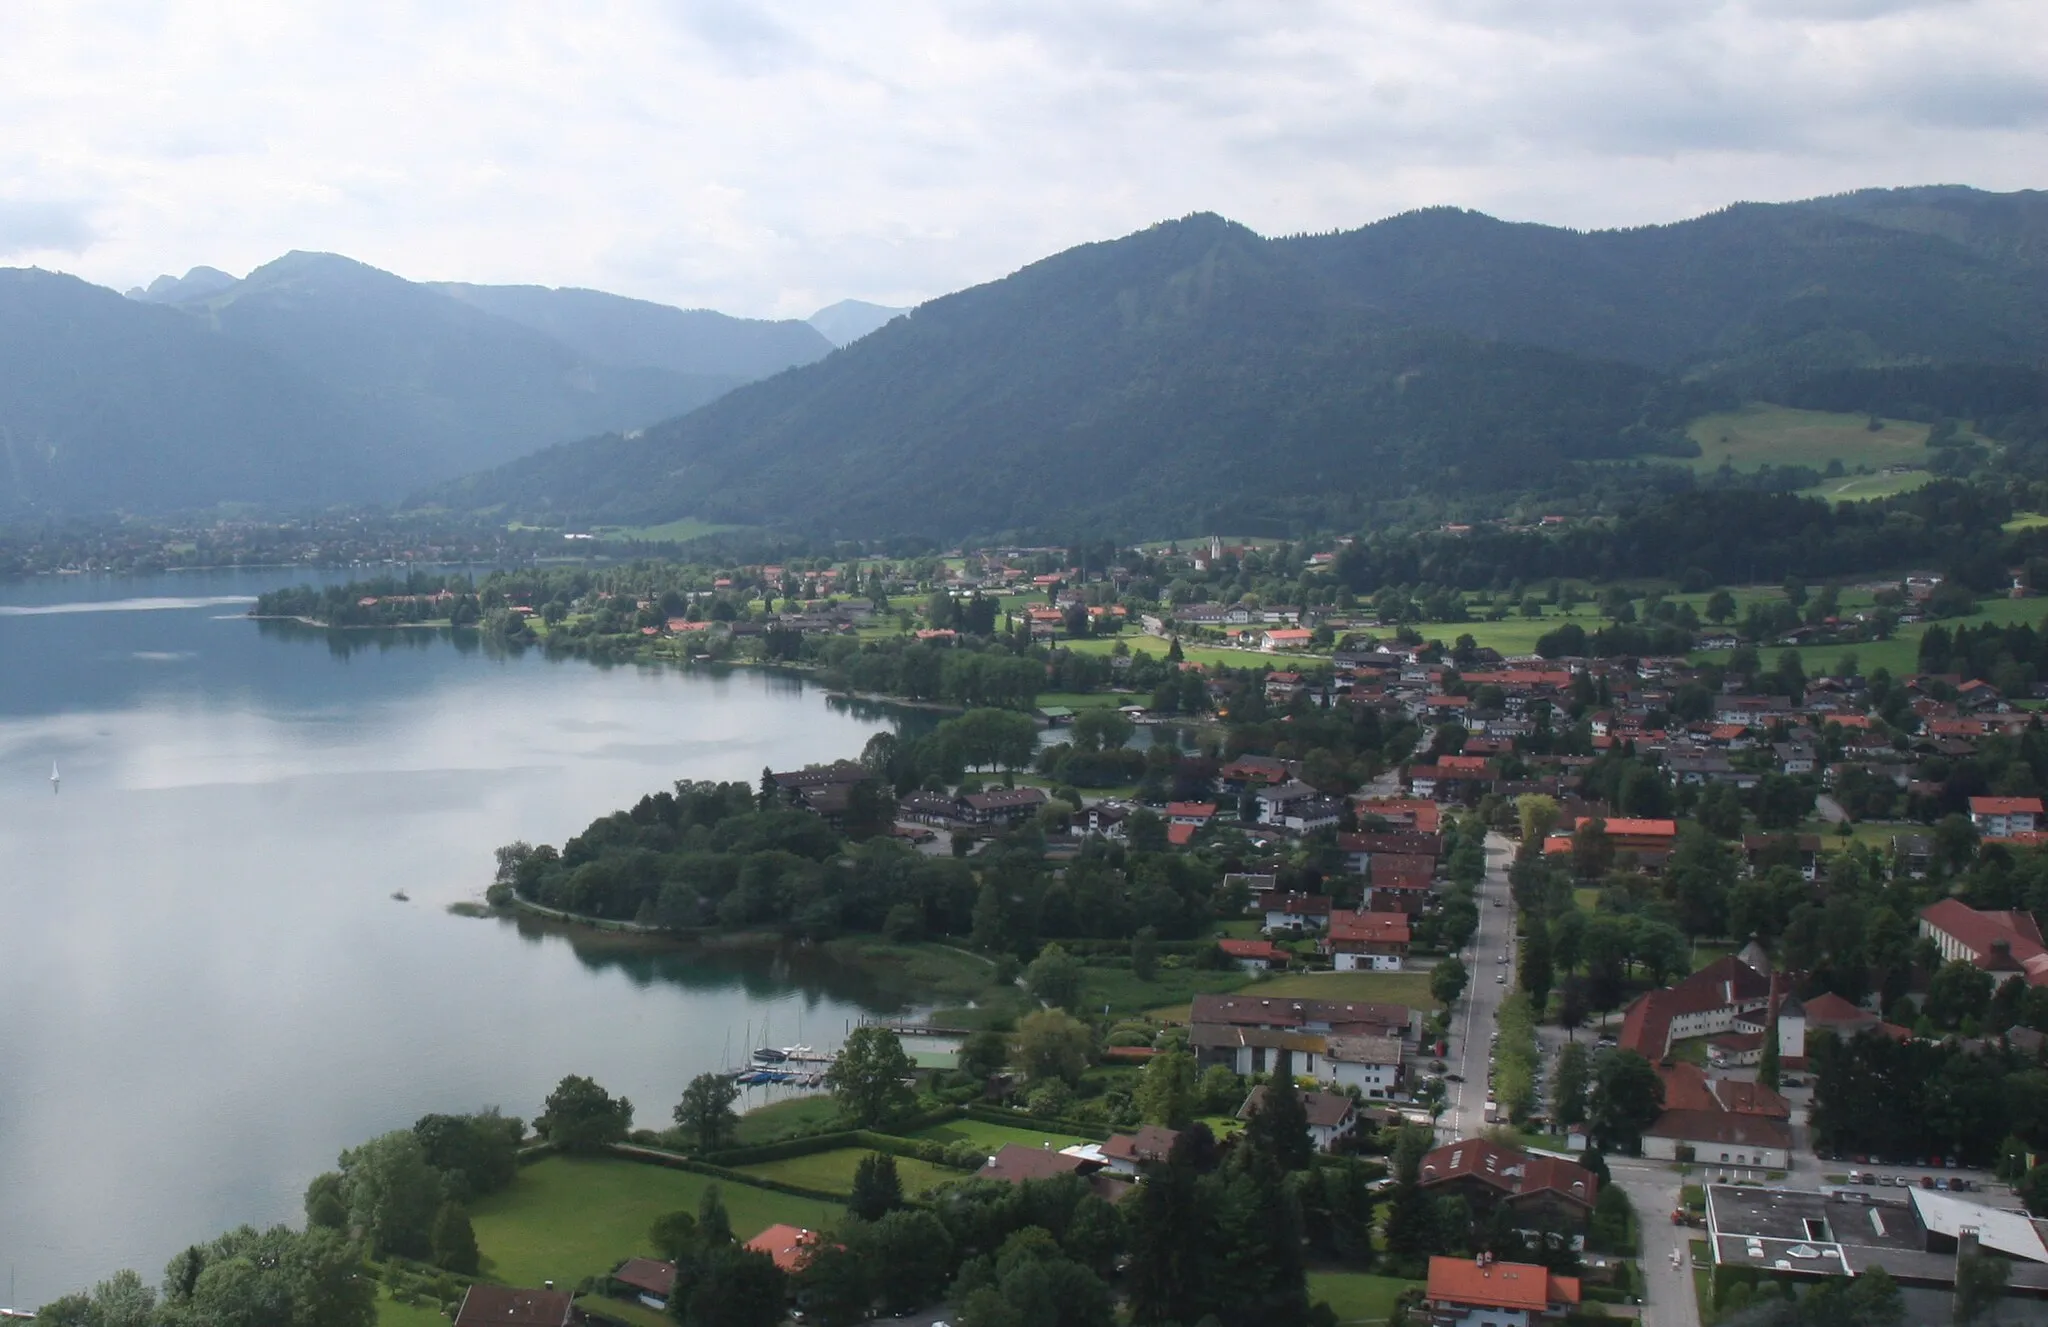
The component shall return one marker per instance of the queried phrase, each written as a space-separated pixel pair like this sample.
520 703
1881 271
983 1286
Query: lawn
391 1313
922 973
784 1119
1210 656
565 1218
1357 1296
2027 520
671 532
1863 488
1900 654
833 1171
1120 989
1758 435
1087 700
1409 988
990 1138
638 1314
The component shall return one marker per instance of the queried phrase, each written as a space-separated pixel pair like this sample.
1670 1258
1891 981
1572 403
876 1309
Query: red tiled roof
1621 825
1180 836
1265 949
1369 927
503 1306
1982 932
1150 1143
1720 1126
1831 1008
1017 1163
1509 1171
2005 806
1201 809
1499 1285
789 1246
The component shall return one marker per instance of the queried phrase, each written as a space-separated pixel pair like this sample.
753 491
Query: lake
206 987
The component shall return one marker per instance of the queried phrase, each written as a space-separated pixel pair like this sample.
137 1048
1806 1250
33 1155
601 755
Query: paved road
1472 1029
1652 1187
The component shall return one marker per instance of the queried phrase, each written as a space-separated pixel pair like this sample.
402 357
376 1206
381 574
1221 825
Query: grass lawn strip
565 1218
990 1138
1357 1297
833 1171
785 1119
391 1313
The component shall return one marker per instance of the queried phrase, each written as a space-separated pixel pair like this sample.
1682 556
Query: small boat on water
770 1055
401 896
56 782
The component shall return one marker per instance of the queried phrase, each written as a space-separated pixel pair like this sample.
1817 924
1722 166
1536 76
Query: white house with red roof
1254 955
1483 1292
1703 1005
1367 941
1999 942
2003 817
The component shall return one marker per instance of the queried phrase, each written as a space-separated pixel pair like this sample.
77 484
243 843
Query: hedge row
676 1161
1019 1120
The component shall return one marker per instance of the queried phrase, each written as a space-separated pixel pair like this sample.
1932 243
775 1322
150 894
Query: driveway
1652 1187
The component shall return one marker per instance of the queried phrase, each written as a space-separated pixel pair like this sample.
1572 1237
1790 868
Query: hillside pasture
1758 435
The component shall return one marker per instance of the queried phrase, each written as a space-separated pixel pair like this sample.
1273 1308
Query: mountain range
318 379
1156 381
1153 381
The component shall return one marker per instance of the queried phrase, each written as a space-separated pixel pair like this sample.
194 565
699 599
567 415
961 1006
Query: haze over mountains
320 379
1187 370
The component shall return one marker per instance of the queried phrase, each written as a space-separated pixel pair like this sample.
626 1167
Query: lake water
206 988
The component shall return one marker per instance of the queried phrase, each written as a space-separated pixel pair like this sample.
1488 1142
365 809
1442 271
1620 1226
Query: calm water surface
206 988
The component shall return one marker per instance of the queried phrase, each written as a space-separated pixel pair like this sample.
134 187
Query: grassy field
1759 435
833 1171
1863 488
1087 700
638 1314
991 1137
391 1313
566 1218
1409 988
1210 656
674 532
784 1119
924 971
1120 989
1900 654
1357 1297
2027 520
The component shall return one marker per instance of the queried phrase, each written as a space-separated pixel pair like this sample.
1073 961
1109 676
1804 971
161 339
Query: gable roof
789 1246
1368 927
1724 983
653 1275
505 1306
1986 934
1720 1126
1325 1110
2005 806
1150 1143
1828 1007
1499 1285
1510 1172
1017 1163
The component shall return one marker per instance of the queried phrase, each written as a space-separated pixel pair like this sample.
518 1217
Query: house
1719 1122
1298 912
999 805
1126 1152
1331 1115
789 1246
1254 955
1704 1004
2003 817
1370 1064
1250 1034
1366 941
1802 851
1246 771
1483 1292
1276 800
1549 1191
1360 850
1636 835
1190 813
1999 942
1284 686
1016 1163
650 1280
1258 888
1720 1138
1399 884
503 1306
1286 638
1104 820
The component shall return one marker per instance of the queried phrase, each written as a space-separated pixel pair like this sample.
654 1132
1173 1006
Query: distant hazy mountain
612 329
851 319
109 403
318 377
1173 372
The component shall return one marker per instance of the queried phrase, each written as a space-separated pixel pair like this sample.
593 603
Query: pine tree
877 1190
1279 1127
1767 1068
454 1240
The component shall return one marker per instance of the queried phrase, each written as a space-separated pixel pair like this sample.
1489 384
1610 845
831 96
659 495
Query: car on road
1500 978
1454 1078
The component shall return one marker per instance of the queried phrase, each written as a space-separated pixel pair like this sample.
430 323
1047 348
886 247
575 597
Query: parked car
1454 1078
1927 1182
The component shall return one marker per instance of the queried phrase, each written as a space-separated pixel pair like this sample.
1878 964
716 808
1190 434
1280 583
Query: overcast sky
768 158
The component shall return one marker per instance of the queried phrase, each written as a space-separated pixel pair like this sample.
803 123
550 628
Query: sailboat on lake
56 779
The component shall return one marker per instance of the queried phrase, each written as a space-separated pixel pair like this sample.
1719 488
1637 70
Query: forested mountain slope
632 333
1143 376
107 403
1148 380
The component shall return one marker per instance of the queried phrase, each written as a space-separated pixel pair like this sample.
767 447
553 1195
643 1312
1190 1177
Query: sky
770 158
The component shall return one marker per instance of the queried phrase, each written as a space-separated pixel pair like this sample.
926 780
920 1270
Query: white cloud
773 157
